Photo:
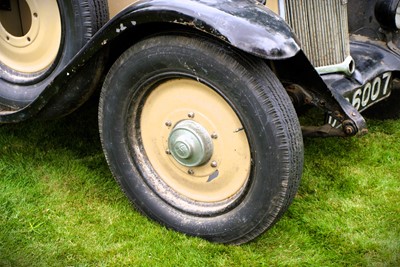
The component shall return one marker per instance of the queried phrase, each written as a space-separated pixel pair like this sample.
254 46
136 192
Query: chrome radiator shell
322 28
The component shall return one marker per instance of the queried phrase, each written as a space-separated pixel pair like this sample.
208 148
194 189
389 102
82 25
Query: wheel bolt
168 123
191 172
191 115
168 152
214 136
214 164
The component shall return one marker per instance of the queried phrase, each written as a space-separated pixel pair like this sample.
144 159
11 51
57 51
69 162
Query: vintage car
198 112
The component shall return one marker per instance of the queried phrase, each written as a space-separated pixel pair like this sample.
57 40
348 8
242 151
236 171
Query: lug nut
214 164
168 123
214 136
191 172
191 115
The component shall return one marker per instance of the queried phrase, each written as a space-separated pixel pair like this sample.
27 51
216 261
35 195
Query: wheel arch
250 27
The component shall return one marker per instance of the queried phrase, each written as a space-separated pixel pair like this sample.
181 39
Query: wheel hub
190 144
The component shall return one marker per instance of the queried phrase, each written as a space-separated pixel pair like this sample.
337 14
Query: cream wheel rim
207 119
37 49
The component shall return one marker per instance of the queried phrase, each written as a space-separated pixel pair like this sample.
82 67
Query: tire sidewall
265 191
17 90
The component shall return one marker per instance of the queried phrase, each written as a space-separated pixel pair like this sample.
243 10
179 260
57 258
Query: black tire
77 21
158 68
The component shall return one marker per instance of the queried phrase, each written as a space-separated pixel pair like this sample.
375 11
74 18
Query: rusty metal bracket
322 131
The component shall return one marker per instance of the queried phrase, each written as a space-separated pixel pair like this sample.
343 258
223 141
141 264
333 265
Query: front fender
244 24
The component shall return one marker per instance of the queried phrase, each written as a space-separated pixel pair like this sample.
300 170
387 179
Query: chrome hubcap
190 144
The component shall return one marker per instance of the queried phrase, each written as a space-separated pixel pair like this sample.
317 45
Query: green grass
59 206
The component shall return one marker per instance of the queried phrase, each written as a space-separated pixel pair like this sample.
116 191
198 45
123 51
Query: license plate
371 93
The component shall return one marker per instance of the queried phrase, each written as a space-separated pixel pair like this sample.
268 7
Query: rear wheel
37 39
202 139
30 33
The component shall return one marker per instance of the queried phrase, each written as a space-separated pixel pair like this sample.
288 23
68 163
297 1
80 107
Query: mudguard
244 24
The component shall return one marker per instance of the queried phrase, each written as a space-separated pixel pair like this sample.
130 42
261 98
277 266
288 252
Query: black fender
244 24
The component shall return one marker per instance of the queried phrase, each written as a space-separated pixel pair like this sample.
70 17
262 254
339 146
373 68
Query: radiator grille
322 27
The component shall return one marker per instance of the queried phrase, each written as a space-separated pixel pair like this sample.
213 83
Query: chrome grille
322 27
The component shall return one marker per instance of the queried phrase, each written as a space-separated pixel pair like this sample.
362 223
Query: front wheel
201 138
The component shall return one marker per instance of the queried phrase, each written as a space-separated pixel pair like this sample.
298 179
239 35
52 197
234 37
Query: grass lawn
59 206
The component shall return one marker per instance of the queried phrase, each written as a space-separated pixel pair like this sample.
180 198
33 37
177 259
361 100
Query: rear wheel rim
224 169
36 47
